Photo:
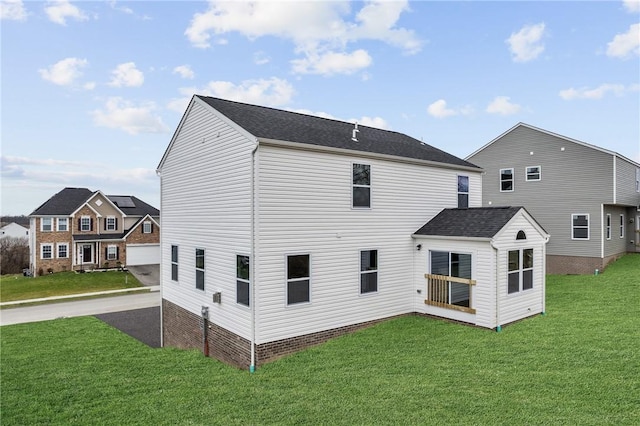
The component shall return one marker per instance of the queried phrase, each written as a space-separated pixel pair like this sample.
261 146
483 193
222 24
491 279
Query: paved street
79 308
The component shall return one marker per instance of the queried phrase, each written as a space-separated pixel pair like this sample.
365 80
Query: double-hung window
200 269
112 252
534 173
110 223
361 196
242 280
46 224
368 271
463 192
621 226
63 250
46 251
147 228
579 226
298 278
174 263
520 275
85 223
63 224
608 226
506 180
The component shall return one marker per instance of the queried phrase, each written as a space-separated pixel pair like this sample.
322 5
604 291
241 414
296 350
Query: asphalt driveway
141 324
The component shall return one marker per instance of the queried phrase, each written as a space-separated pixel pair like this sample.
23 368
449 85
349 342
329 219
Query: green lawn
578 365
17 287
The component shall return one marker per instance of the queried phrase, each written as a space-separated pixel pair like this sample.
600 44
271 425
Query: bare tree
14 255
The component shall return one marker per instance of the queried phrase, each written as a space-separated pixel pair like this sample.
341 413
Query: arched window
521 235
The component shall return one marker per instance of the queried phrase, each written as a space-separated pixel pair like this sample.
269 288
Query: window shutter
106 253
105 223
80 224
116 223
152 228
117 252
91 224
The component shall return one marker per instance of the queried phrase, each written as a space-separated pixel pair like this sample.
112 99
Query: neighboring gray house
301 228
586 197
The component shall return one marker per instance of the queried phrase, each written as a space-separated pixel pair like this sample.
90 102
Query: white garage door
143 254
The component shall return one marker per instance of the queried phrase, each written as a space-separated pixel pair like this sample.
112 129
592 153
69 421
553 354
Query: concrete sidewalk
82 295
109 302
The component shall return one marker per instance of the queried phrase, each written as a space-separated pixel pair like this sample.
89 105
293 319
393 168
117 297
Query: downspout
497 279
252 262
544 274
159 174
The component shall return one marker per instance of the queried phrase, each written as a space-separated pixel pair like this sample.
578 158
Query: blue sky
92 91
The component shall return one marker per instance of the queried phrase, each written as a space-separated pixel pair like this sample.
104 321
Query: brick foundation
183 329
578 265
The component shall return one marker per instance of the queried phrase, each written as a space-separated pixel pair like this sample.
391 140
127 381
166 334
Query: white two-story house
302 228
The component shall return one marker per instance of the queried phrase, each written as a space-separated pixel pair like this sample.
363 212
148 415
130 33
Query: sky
92 91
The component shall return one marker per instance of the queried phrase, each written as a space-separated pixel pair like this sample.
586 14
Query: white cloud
12 10
632 5
526 44
64 72
126 75
439 109
271 92
317 29
124 115
184 71
502 105
59 10
598 92
330 63
377 122
625 45
124 9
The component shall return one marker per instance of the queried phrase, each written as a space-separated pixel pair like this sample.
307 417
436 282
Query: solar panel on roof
123 201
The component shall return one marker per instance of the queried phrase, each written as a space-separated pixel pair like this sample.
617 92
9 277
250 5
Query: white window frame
521 270
246 281
62 220
49 221
608 226
82 223
369 272
202 270
112 252
512 180
573 215
110 226
528 172
622 223
42 247
66 250
288 280
146 227
354 186
175 263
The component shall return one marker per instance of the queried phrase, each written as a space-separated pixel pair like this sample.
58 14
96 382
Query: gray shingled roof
68 200
270 123
479 222
64 202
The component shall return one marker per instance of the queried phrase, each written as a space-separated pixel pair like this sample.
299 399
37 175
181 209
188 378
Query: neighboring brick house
79 229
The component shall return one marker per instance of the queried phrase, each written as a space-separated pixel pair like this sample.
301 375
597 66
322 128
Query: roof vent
355 133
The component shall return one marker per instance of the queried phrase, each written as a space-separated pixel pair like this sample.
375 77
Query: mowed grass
579 364
18 287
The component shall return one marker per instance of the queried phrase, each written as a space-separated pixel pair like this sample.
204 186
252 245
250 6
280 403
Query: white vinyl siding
302 214
206 203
